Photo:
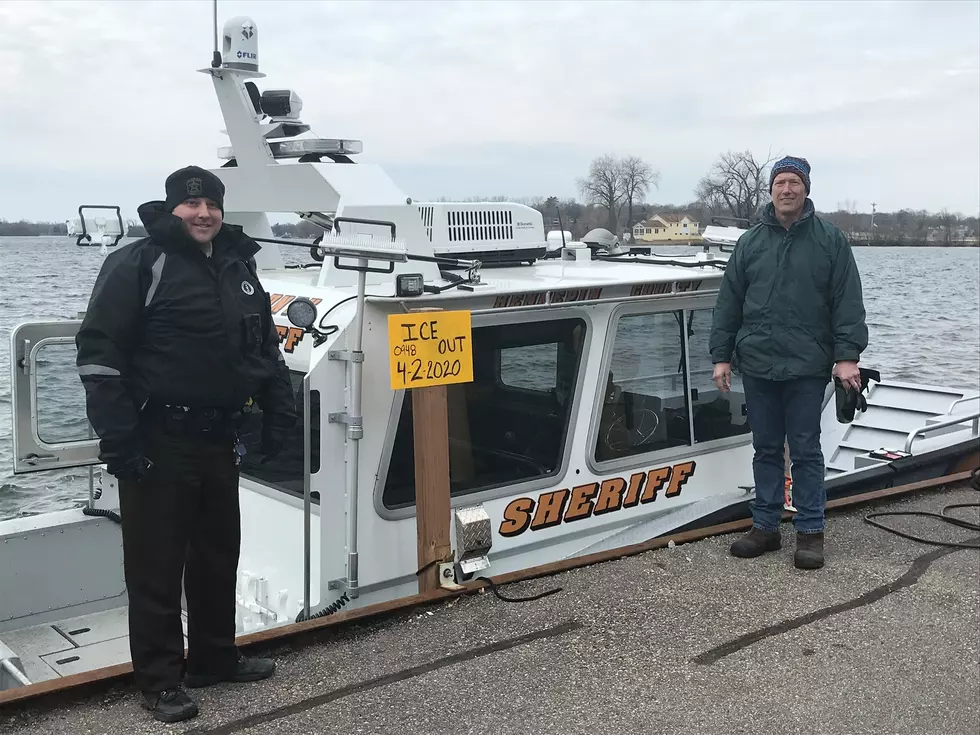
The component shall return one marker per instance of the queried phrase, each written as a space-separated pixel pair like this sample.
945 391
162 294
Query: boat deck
677 640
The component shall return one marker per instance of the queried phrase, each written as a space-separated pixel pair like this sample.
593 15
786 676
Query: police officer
178 336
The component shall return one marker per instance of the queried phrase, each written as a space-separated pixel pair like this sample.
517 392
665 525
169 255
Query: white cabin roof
543 276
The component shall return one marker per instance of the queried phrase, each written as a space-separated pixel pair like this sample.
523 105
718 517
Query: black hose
622 259
330 609
102 513
493 588
454 282
942 515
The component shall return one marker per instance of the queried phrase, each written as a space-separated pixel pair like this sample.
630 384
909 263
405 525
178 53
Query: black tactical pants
182 519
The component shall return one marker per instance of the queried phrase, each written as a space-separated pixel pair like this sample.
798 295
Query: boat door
50 427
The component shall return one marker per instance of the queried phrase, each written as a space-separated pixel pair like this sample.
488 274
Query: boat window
285 471
643 405
648 403
507 426
61 411
716 415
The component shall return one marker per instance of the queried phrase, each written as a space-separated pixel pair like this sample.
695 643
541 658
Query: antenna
216 58
561 225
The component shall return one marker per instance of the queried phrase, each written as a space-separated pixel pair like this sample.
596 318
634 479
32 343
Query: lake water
923 314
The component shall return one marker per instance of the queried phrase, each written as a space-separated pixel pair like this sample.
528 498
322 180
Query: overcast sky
102 100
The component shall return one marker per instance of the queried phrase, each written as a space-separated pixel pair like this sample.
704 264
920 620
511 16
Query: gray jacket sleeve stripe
102 370
157 271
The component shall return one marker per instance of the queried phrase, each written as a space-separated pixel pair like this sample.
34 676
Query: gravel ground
883 639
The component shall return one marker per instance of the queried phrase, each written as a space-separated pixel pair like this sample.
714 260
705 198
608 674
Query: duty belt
194 419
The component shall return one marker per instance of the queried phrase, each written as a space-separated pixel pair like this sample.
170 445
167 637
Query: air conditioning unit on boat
491 232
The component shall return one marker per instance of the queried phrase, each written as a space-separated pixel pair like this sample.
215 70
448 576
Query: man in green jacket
789 316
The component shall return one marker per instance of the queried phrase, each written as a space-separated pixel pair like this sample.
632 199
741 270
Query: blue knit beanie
792 165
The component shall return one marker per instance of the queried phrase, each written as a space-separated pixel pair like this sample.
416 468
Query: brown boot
755 543
809 551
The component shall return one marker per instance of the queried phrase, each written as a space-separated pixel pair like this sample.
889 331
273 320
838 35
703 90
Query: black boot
755 543
809 551
247 669
170 705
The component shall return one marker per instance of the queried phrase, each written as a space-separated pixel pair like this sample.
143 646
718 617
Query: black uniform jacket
166 324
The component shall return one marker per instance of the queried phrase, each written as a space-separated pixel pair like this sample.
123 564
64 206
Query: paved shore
688 640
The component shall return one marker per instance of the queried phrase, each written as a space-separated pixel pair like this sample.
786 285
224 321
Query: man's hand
723 376
849 374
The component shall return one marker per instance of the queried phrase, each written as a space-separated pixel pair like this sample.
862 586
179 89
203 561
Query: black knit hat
191 182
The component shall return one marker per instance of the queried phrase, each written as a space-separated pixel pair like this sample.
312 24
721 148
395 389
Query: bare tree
614 183
550 208
637 175
737 184
947 221
571 212
572 209
604 188
920 224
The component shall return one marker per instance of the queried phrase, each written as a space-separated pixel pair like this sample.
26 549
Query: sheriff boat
581 411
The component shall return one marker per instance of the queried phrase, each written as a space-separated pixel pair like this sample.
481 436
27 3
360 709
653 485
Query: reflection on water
532 367
647 356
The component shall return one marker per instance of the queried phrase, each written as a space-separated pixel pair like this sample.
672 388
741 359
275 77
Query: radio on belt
409 284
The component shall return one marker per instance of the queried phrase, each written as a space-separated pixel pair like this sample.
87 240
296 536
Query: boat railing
674 377
722 221
944 424
958 401
10 675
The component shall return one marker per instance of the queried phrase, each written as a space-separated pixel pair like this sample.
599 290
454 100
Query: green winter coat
790 304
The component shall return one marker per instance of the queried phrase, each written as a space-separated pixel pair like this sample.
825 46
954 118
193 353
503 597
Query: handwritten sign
430 348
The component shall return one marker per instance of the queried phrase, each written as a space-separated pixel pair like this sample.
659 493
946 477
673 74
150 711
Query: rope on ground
942 515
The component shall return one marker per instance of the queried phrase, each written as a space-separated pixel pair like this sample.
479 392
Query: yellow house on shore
667 227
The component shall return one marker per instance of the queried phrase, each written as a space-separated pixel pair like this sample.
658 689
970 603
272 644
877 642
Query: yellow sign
430 348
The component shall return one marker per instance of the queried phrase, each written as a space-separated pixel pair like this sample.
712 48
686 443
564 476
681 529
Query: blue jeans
780 411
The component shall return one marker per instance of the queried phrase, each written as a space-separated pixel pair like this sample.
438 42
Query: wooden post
431 431
428 349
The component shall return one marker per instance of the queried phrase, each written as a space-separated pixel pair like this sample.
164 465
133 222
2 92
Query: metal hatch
50 425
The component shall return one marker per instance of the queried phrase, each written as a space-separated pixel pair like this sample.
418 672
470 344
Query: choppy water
923 314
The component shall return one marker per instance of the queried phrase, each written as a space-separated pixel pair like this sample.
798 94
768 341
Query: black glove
129 469
848 401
